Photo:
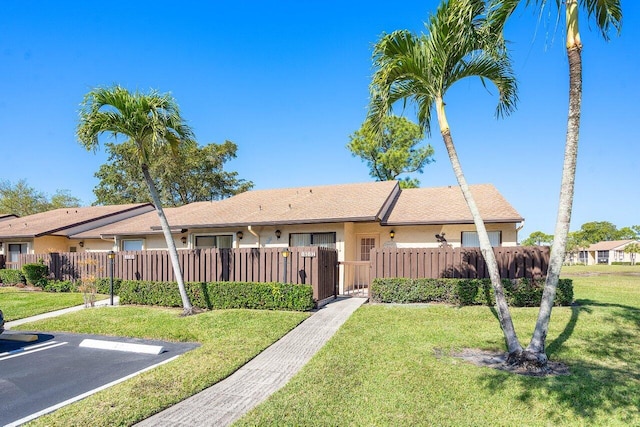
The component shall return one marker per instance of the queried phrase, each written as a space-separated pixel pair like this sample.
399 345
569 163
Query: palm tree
420 69
608 15
151 121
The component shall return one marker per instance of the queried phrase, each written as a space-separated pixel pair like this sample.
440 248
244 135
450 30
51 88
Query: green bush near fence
11 277
219 295
36 273
518 292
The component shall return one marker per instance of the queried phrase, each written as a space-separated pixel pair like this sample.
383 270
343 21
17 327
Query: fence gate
357 275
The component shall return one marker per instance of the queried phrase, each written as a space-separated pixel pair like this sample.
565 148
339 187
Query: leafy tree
633 249
636 229
153 123
575 244
395 153
22 200
538 238
608 15
193 174
421 69
63 199
598 231
626 233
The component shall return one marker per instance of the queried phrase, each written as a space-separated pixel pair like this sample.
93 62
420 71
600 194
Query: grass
228 338
17 303
392 365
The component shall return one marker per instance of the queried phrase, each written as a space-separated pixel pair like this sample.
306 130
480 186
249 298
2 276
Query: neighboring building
47 232
608 252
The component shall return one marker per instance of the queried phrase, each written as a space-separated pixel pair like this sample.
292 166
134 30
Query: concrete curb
101 303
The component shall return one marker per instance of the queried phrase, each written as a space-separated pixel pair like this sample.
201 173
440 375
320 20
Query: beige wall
48 244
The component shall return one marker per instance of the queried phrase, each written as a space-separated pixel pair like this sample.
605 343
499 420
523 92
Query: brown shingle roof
373 201
610 245
446 205
302 205
59 220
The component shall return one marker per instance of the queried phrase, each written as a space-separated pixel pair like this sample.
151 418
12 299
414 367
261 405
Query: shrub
59 286
220 295
518 292
104 285
36 274
12 277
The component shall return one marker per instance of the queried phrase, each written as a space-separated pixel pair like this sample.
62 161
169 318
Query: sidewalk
228 400
9 325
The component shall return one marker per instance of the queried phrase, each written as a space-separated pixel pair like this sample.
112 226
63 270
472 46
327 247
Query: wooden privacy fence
305 265
513 262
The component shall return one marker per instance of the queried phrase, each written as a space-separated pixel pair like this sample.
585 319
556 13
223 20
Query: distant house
50 231
608 252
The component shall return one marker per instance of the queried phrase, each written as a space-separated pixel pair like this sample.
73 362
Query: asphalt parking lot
57 369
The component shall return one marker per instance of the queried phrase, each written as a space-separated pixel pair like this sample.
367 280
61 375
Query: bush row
11 277
518 292
219 295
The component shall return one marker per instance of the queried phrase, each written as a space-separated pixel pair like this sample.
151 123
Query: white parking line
22 351
83 395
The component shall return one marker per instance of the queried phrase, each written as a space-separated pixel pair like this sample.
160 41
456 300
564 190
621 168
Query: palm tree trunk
504 315
574 47
171 246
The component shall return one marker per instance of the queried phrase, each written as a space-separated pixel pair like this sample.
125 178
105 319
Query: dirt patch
497 360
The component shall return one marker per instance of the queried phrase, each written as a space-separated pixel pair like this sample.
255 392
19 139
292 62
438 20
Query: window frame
311 234
489 232
216 236
141 240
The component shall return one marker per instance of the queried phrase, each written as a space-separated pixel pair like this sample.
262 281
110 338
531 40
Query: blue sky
287 81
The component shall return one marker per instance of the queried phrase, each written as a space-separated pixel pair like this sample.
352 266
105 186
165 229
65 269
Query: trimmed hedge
36 274
103 285
518 292
12 277
59 286
219 295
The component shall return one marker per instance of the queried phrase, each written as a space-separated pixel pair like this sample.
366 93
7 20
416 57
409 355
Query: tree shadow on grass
605 368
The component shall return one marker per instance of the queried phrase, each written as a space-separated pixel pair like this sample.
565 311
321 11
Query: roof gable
446 205
611 245
63 221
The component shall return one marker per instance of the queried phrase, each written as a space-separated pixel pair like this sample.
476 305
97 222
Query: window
583 256
325 240
132 245
366 244
220 242
15 249
470 239
603 257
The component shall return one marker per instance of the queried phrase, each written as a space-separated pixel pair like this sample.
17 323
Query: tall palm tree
152 121
608 15
421 68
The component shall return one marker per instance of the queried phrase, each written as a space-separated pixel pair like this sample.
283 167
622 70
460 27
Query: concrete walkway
9 325
231 398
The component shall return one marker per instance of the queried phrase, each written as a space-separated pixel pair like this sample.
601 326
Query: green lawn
392 365
17 303
229 338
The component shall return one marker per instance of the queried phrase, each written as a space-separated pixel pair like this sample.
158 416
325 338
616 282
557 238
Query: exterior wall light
183 239
392 234
240 235
81 244
278 234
